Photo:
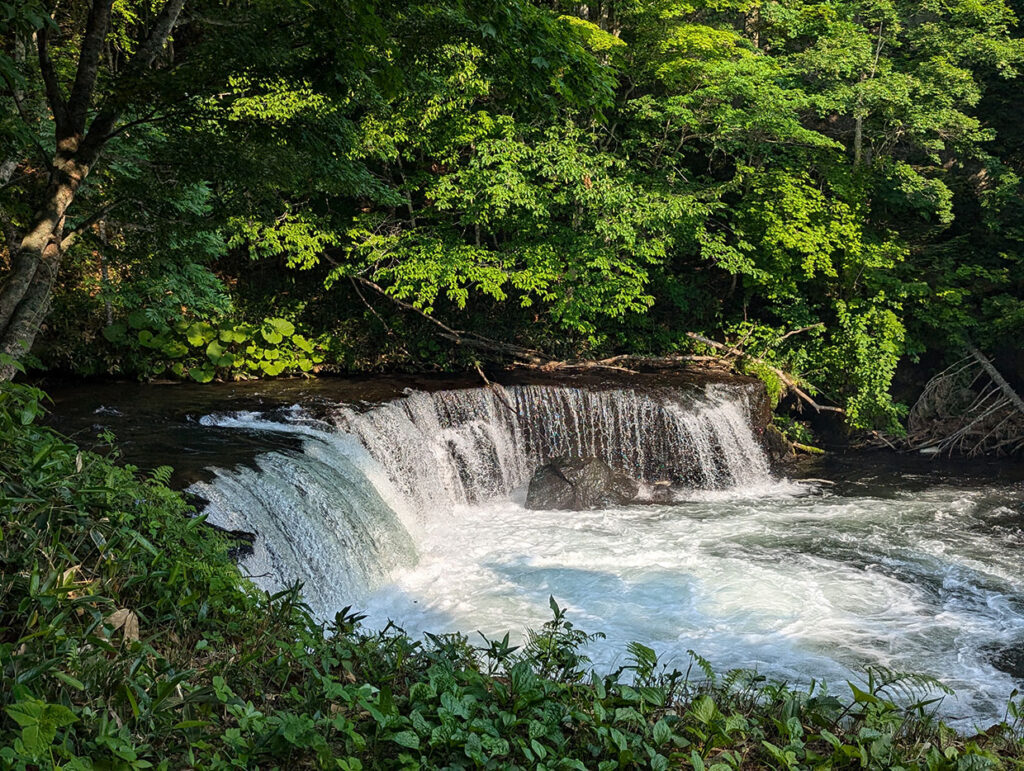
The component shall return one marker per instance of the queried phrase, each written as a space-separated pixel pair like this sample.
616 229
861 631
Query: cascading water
412 511
338 514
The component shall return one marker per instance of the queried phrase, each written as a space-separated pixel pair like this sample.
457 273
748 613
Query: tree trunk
7 170
998 379
858 139
27 319
752 26
25 293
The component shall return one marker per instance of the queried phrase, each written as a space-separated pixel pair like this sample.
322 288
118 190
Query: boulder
575 484
661 492
1009 660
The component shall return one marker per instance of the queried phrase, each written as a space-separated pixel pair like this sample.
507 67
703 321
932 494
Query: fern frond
883 681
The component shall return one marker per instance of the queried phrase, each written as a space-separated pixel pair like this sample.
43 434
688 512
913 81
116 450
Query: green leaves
174 349
225 349
275 330
298 690
200 333
39 722
586 179
115 333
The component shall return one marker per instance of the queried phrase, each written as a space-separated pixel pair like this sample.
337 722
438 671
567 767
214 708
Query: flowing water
412 510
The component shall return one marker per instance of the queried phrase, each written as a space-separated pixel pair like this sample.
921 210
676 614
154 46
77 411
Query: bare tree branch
997 378
458 336
792 332
87 223
786 379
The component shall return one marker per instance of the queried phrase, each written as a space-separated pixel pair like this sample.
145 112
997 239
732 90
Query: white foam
745 569
798 588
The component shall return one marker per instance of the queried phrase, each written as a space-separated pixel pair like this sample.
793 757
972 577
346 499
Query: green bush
203 350
128 640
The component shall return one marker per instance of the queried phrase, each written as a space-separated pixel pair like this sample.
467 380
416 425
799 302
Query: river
405 499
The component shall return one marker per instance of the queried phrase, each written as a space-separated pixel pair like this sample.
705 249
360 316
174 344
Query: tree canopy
209 190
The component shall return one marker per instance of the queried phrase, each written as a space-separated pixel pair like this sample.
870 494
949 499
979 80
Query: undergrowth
128 640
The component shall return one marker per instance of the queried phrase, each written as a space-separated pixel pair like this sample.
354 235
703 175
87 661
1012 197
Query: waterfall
343 512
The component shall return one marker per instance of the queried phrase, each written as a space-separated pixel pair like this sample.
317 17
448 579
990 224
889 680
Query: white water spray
409 511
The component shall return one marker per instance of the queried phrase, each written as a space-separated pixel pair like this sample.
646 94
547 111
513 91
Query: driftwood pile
968 409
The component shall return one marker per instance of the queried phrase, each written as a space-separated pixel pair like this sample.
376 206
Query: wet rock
661 492
576 484
1009 660
778 447
241 541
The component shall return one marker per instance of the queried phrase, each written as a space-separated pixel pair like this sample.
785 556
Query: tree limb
802 329
152 117
87 223
786 379
997 378
146 53
497 390
54 95
104 122
88 64
458 336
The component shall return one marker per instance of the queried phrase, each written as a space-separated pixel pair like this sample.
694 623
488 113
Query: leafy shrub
203 350
793 430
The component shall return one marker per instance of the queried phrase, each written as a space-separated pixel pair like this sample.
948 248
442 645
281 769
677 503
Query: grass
128 640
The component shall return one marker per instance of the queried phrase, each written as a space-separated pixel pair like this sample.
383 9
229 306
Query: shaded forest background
211 190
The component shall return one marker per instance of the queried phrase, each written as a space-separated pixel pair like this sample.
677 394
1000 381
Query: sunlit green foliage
588 179
203 350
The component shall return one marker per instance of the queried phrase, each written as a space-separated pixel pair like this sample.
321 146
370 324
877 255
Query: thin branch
786 379
997 378
881 438
497 390
54 94
69 240
555 365
458 336
820 324
153 117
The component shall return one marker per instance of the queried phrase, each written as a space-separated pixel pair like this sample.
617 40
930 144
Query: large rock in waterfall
576 484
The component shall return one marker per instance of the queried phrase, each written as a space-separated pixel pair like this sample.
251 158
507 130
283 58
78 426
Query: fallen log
539 360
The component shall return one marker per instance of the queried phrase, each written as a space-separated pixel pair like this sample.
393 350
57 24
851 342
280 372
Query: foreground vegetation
128 640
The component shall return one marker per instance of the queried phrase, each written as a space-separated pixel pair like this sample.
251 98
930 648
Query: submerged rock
1009 660
242 542
660 492
576 484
